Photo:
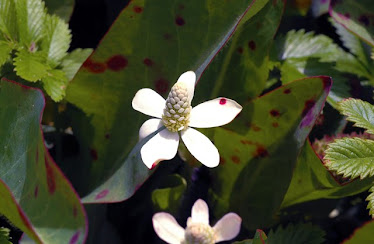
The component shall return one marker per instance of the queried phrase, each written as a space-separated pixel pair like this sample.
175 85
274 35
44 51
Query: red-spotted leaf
162 40
312 181
241 69
356 16
265 140
35 195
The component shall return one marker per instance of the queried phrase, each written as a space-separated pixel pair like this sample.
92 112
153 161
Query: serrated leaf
355 16
259 238
30 20
4 236
297 234
56 40
30 66
359 112
362 235
351 157
8 19
5 49
74 60
55 83
298 44
370 199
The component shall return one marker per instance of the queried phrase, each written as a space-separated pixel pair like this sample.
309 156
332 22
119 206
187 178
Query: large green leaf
35 195
162 41
241 69
312 181
363 234
356 16
265 140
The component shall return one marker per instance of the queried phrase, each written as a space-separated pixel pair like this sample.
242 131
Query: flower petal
167 228
227 227
148 127
214 113
200 147
149 102
189 79
199 213
162 146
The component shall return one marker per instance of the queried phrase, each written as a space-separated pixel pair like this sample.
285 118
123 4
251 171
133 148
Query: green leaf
259 238
4 236
353 43
363 234
35 195
8 19
297 234
62 8
162 41
169 198
351 157
298 44
312 181
355 16
359 112
297 68
370 199
5 49
265 141
56 39
30 66
55 83
74 60
245 59
30 20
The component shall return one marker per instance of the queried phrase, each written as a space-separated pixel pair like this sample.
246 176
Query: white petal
167 228
227 227
189 79
149 102
214 113
148 127
162 146
200 147
199 213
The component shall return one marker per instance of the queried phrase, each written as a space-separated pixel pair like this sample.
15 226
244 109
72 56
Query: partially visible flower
198 230
177 115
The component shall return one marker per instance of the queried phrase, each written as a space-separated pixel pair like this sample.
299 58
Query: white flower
177 115
198 229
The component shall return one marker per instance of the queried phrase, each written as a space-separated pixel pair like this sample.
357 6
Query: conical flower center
177 109
198 233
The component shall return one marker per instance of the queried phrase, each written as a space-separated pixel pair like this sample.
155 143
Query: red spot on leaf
240 50
162 86
94 155
246 142
117 63
222 101
102 194
222 160
261 152
138 9
235 159
107 136
179 21
181 6
94 67
255 127
287 91
167 36
148 62
74 239
364 20
36 191
75 211
307 106
274 113
252 45
275 124
51 183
